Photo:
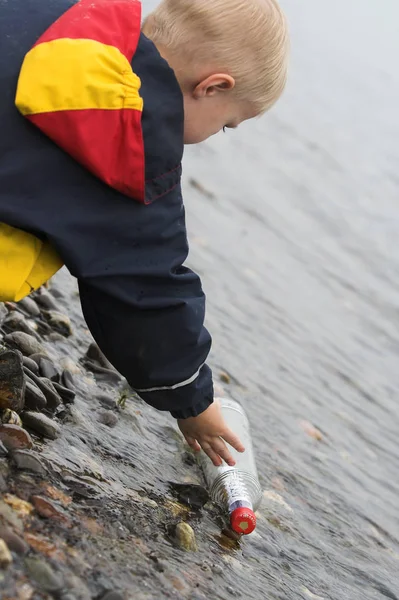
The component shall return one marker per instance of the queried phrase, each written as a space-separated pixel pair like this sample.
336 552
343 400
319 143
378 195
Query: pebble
3 452
46 508
106 401
47 388
113 596
29 461
46 300
225 377
94 353
12 382
107 417
30 364
42 424
59 322
36 358
109 374
17 322
5 555
10 417
3 313
68 364
24 342
194 496
30 306
66 394
14 542
34 398
44 575
67 380
185 537
14 437
47 368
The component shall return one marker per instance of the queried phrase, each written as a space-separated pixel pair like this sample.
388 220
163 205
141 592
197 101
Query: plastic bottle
237 488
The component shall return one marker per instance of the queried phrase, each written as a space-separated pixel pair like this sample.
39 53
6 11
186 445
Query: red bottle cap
243 520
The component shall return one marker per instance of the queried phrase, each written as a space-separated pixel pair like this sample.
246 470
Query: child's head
229 56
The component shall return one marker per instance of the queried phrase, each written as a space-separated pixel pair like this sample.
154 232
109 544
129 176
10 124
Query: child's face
210 107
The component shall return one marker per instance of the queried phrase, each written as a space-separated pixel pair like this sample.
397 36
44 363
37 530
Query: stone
68 364
185 537
47 369
14 542
15 438
109 374
24 342
113 596
10 417
34 398
30 364
225 377
59 322
47 388
44 575
28 461
46 300
67 380
36 358
29 305
194 496
3 313
47 509
3 452
66 394
106 401
17 322
40 423
5 555
94 353
12 381
107 417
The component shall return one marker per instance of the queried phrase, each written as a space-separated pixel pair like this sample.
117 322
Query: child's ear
213 84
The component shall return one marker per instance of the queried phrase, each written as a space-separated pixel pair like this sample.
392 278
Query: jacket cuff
193 411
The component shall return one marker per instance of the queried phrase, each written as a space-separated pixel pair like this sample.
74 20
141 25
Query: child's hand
207 431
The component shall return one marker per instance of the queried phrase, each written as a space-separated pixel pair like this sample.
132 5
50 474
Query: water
295 239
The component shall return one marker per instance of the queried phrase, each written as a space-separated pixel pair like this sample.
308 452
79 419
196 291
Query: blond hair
247 39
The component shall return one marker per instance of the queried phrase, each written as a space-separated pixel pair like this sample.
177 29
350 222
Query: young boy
94 113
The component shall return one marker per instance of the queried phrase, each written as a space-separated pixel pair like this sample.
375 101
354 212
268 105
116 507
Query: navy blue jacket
143 307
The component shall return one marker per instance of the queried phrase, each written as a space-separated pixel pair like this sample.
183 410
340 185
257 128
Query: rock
17 322
5 555
185 537
107 417
44 575
47 369
12 381
94 353
3 313
14 542
47 388
30 364
106 401
10 417
24 342
225 377
67 380
68 364
3 452
109 374
14 437
37 358
46 300
28 461
66 394
34 398
41 424
47 509
113 596
194 496
59 322
29 306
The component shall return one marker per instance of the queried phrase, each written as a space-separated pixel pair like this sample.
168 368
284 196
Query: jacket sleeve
143 307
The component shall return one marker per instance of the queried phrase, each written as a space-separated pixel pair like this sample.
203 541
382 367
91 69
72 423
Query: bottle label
237 494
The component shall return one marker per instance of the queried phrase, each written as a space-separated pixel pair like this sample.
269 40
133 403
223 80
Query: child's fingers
233 440
221 449
215 458
194 445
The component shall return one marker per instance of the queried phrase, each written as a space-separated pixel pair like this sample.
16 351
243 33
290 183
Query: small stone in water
26 460
106 401
46 300
10 417
94 353
44 575
47 368
186 537
3 313
5 555
46 508
14 542
42 424
47 388
34 398
107 417
31 365
192 495
12 382
24 342
30 306
67 380
68 364
14 437
66 394
59 322
225 377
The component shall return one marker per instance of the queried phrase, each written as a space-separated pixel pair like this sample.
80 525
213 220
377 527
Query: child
90 167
